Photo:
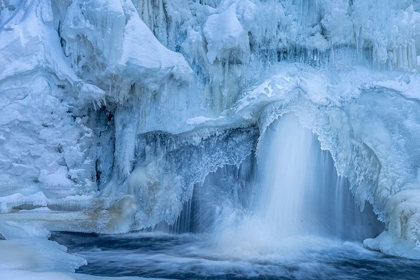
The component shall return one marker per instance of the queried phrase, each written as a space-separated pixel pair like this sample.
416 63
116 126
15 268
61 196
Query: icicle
413 54
400 57
405 56
146 12
150 14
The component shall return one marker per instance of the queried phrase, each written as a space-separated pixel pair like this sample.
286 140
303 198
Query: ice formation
112 111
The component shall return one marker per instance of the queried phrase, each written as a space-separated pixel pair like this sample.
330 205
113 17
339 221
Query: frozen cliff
112 112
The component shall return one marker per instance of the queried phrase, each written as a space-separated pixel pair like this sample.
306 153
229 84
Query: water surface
191 256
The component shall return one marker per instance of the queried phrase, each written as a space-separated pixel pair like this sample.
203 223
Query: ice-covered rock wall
113 110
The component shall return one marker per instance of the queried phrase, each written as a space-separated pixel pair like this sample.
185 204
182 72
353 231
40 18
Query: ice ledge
402 238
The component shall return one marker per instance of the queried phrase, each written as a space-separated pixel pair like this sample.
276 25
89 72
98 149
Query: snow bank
42 255
43 260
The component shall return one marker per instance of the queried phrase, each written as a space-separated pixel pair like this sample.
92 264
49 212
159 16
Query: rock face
114 110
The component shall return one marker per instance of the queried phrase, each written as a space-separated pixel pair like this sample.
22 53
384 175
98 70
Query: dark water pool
193 257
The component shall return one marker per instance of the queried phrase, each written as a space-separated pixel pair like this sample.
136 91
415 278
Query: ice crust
113 110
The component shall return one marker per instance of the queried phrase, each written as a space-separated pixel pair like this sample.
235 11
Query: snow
111 111
407 85
42 255
224 33
199 120
16 199
43 259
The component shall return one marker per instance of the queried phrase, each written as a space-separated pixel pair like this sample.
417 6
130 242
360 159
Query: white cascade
298 199
301 193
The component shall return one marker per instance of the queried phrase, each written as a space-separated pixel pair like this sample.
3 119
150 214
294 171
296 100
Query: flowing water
189 256
283 214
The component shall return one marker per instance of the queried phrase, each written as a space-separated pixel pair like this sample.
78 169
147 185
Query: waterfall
301 193
287 191
287 172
